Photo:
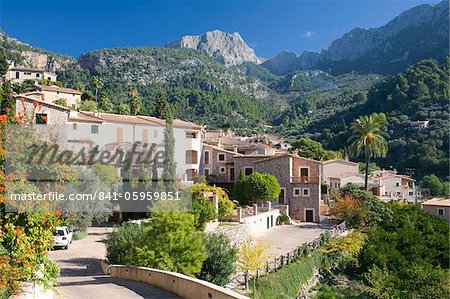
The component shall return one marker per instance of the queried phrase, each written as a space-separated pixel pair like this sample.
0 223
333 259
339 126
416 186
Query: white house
392 186
19 74
337 173
84 129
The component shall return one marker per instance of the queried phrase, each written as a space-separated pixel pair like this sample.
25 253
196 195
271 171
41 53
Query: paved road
81 275
285 238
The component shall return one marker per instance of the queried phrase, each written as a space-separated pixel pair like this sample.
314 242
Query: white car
62 237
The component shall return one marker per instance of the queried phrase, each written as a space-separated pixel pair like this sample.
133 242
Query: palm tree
134 100
369 136
21 88
97 83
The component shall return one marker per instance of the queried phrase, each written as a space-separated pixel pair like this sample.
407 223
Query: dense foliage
167 241
419 93
221 261
256 187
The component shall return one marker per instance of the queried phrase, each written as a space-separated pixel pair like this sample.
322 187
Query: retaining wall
182 285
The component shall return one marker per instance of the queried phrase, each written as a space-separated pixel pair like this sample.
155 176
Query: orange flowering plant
26 235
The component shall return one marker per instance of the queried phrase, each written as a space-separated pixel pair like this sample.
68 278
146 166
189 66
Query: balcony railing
305 179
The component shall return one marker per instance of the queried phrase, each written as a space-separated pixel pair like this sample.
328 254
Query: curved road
81 275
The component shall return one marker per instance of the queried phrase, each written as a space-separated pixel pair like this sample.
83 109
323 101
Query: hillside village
201 170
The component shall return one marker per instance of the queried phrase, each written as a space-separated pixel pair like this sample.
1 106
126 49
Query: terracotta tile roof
339 160
83 117
116 118
437 202
54 88
43 103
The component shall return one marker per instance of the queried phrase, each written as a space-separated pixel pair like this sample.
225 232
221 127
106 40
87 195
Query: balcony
305 179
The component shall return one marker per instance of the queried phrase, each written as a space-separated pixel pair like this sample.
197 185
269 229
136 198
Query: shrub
170 242
256 187
283 219
79 234
203 211
351 210
221 260
119 243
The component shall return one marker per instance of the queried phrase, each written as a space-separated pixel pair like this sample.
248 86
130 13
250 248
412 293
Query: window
41 118
304 171
74 126
221 157
191 157
397 184
296 191
191 135
37 75
440 212
411 193
206 171
17 75
49 78
305 191
248 170
191 174
27 73
94 129
206 157
222 169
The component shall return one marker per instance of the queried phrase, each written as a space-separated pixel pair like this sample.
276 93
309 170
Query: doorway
309 215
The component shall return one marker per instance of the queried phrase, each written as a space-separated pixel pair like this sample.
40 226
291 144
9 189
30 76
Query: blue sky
74 27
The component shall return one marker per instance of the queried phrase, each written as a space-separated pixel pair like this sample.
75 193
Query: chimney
96 113
235 148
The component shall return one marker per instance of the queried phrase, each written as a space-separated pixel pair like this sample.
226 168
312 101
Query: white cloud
308 34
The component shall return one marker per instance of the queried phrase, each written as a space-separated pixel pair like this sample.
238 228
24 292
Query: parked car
62 237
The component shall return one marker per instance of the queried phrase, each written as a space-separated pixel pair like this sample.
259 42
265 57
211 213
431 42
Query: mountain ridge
227 48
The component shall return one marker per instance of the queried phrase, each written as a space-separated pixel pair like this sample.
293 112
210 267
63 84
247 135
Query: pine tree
3 64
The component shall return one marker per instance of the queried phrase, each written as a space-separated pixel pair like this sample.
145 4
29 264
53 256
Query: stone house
299 180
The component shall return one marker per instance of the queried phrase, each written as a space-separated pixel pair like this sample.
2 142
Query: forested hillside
419 93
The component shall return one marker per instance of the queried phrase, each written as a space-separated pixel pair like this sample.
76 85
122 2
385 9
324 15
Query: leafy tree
239 189
372 167
105 104
3 63
434 183
261 187
221 261
351 210
171 242
123 109
134 100
369 136
60 102
97 84
309 148
88 105
252 256
203 211
407 255
226 206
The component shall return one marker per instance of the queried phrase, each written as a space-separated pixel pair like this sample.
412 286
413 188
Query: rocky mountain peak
228 48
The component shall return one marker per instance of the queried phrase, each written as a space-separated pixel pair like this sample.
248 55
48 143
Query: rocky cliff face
24 55
229 49
419 33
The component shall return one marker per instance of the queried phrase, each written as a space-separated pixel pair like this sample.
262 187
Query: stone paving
81 275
